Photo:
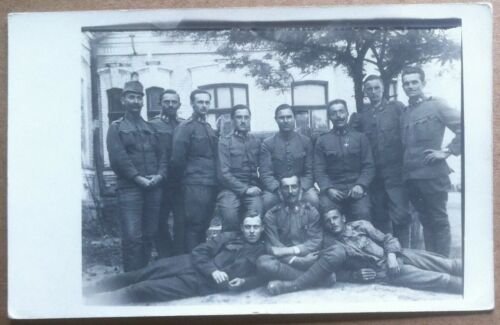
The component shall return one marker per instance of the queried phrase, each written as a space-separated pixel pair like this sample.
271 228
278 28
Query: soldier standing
379 121
140 165
425 170
165 124
238 162
343 165
286 153
194 154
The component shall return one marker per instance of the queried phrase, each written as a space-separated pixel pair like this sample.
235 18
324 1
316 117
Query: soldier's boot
278 287
456 284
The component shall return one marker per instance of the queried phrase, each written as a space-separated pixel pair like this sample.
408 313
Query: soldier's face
201 103
132 102
241 120
334 222
338 115
252 229
374 90
285 120
412 85
290 189
170 103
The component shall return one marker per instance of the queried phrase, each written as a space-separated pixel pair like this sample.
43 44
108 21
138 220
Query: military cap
133 87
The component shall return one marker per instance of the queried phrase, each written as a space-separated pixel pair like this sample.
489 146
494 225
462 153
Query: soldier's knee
267 264
335 254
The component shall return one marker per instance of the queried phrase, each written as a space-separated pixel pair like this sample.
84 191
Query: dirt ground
340 291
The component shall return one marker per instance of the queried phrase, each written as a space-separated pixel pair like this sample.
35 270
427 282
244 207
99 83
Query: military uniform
194 155
172 198
134 150
286 227
388 195
423 124
238 163
184 275
367 247
343 159
286 155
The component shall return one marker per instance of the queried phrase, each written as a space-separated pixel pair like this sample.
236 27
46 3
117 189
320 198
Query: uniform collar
343 131
135 123
199 118
381 105
286 136
414 101
242 135
168 119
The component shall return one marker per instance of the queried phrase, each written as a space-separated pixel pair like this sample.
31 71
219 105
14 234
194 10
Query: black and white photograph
298 161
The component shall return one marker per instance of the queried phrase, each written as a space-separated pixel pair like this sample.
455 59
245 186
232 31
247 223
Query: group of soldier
333 210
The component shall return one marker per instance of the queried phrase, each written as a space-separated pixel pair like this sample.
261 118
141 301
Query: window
393 90
224 97
309 99
115 108
153 98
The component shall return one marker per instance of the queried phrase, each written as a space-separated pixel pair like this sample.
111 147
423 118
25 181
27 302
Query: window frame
310 108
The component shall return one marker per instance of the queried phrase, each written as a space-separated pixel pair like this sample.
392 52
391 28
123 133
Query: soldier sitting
293 234
224 263
238 163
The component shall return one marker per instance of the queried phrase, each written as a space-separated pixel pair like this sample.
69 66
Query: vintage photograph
272 162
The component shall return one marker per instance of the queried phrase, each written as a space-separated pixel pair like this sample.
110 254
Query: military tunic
286 155
238 163
390 204
423 124
172 194
134 150
343 159
194 155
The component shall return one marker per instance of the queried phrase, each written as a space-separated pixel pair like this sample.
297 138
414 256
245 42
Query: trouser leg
179 225
326 204
199 204
398 207
416 278
130 205
269 200
175 287
252 203
150 221
330 260
379 198
228 204
430 201
163 242
272 268
431 261
359 209
311 196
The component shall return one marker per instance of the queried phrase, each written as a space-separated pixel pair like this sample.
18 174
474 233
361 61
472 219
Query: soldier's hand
336 195
364 275
253 191
311 257
357 192
219 276
155 180
142 181
236 283
433 156
392 264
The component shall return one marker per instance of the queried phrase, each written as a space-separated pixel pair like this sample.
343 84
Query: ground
338 292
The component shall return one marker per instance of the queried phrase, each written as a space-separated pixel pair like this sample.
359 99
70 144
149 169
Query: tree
272 54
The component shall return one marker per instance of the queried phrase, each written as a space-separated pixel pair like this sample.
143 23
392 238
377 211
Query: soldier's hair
327 209
289 176
198 91
283 107
373 77
237 107
336 101
250 214
413 70
169 91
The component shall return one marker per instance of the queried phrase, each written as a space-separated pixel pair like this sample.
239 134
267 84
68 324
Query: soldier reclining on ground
224 263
